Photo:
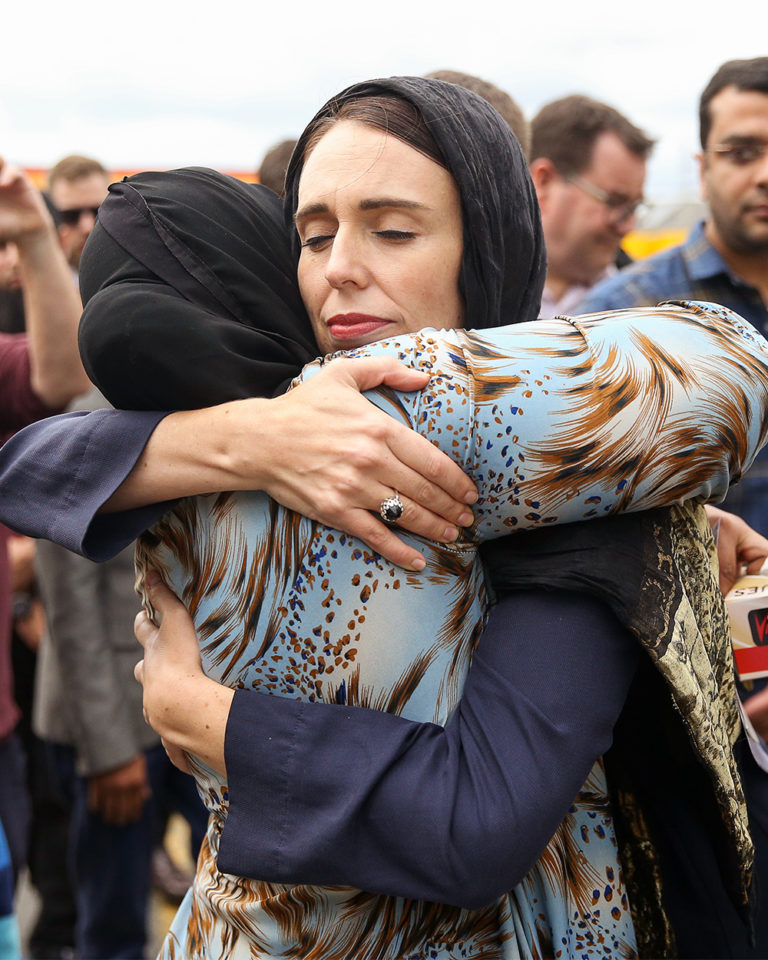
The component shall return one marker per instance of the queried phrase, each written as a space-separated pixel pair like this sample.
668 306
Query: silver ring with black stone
391 509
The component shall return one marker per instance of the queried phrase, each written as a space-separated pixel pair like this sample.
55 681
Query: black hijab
189 282
504 262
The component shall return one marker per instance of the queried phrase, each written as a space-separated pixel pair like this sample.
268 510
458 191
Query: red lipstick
352 326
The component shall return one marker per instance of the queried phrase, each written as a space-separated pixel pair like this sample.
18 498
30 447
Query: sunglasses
72 217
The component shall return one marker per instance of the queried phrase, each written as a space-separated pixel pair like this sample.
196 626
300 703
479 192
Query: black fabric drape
504 262
190 289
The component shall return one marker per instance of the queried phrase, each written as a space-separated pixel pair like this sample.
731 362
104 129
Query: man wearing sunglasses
588 167
77 185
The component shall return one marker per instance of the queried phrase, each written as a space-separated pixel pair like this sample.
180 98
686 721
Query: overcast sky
161 84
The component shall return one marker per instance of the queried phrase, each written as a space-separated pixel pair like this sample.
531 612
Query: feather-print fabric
555 421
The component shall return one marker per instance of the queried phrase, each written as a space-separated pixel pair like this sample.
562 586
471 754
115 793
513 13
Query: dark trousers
14 800
111 864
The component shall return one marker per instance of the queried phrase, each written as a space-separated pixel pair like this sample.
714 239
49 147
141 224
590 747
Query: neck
752 268
557 284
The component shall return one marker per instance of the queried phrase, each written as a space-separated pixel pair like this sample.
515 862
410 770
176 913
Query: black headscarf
504 261
189 282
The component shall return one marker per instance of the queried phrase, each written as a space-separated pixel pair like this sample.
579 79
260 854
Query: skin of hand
51 303
32 627
756 708
22 210
119 795
21 556
738 546
187 709
322 450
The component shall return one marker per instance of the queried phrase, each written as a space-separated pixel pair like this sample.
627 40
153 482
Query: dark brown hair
565 132
384 112
742 74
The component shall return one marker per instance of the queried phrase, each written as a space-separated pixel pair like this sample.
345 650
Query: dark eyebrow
374 203
742 138
309 211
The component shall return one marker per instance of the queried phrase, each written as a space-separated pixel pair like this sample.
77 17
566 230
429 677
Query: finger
177 756
756 565
369 372
385 542
143 629
423 522
163 600
430 512
436 470
134 805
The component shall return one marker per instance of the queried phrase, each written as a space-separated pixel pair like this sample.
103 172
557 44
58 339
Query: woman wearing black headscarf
489 286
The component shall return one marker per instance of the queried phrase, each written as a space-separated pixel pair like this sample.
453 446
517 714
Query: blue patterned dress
556 421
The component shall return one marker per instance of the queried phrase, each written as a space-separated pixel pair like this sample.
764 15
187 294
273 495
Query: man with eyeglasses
725 260
588 167
77 185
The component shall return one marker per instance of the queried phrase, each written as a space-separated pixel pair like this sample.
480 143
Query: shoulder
644 283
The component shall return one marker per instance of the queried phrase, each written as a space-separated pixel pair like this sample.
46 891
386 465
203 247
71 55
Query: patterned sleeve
572 418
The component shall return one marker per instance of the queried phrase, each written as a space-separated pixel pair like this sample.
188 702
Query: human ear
701 161
544 175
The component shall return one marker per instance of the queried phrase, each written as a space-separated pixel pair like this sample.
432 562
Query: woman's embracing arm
93 482
343 795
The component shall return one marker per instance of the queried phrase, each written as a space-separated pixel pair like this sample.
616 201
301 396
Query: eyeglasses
72 216
620 207
741 152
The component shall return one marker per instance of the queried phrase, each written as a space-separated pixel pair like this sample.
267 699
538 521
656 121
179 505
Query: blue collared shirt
695 271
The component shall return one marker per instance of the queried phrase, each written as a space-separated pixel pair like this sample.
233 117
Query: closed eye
317 242
395 235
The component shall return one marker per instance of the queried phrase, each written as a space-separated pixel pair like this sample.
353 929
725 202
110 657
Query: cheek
307 277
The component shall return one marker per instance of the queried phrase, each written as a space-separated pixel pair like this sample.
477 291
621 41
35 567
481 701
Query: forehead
86 191
615 168
737 112
354 161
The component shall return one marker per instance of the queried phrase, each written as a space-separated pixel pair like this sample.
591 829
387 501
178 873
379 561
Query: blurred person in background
113 774
274 165
588 166
77 185
725 260
40 372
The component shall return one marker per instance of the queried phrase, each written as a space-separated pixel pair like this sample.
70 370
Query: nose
762 170
346 262
86 221
628 223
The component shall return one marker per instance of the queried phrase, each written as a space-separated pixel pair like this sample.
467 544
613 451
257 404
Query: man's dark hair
742 74
565 132
498 98
274 165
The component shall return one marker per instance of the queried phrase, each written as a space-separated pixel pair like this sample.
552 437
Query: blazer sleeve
337 795
56 474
